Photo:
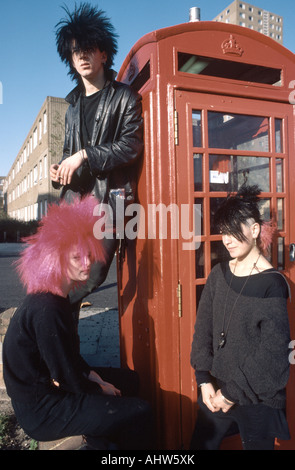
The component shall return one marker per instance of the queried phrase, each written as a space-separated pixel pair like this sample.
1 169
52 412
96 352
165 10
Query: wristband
204 383
229 403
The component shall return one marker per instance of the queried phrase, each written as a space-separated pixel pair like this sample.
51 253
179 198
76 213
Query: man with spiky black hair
103 125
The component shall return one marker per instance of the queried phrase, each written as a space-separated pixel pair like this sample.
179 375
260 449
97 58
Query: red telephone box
217 112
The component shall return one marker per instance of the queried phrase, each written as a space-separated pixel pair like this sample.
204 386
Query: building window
35 138
40 170
40 129
35 216
45 166
44 122
35 174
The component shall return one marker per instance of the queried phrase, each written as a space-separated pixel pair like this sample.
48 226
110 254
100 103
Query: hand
68 167
208 394
53 173
107 388
218 401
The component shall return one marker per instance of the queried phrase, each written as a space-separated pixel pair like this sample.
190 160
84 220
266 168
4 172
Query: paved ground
99 337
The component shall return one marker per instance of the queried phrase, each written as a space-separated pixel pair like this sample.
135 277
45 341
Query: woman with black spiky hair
103 127
241 339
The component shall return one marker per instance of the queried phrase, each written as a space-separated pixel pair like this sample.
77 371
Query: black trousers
212 428
107 422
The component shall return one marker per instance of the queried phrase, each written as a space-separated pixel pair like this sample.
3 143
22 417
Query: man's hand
53 173
68 167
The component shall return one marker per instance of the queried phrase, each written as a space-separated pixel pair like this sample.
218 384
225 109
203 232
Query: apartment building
250 16
28 189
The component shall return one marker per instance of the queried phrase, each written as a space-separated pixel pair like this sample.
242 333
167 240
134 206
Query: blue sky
30 68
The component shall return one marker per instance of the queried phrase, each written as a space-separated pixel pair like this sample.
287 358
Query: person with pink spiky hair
53 391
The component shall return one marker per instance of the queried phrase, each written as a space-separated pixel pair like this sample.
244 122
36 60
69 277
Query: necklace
224 332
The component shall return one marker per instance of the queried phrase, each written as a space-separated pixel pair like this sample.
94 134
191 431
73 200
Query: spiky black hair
90 28
237 210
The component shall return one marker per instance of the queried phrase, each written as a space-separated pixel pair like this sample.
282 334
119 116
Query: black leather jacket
116 144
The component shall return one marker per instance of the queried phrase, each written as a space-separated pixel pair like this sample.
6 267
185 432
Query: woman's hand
107 388
208 394
221 403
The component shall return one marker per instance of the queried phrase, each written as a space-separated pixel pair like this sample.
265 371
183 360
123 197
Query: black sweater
253 366
41 345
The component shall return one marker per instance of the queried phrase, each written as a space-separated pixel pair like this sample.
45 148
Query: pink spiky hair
43 263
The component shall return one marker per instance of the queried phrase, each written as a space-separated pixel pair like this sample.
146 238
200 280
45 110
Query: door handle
292 252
